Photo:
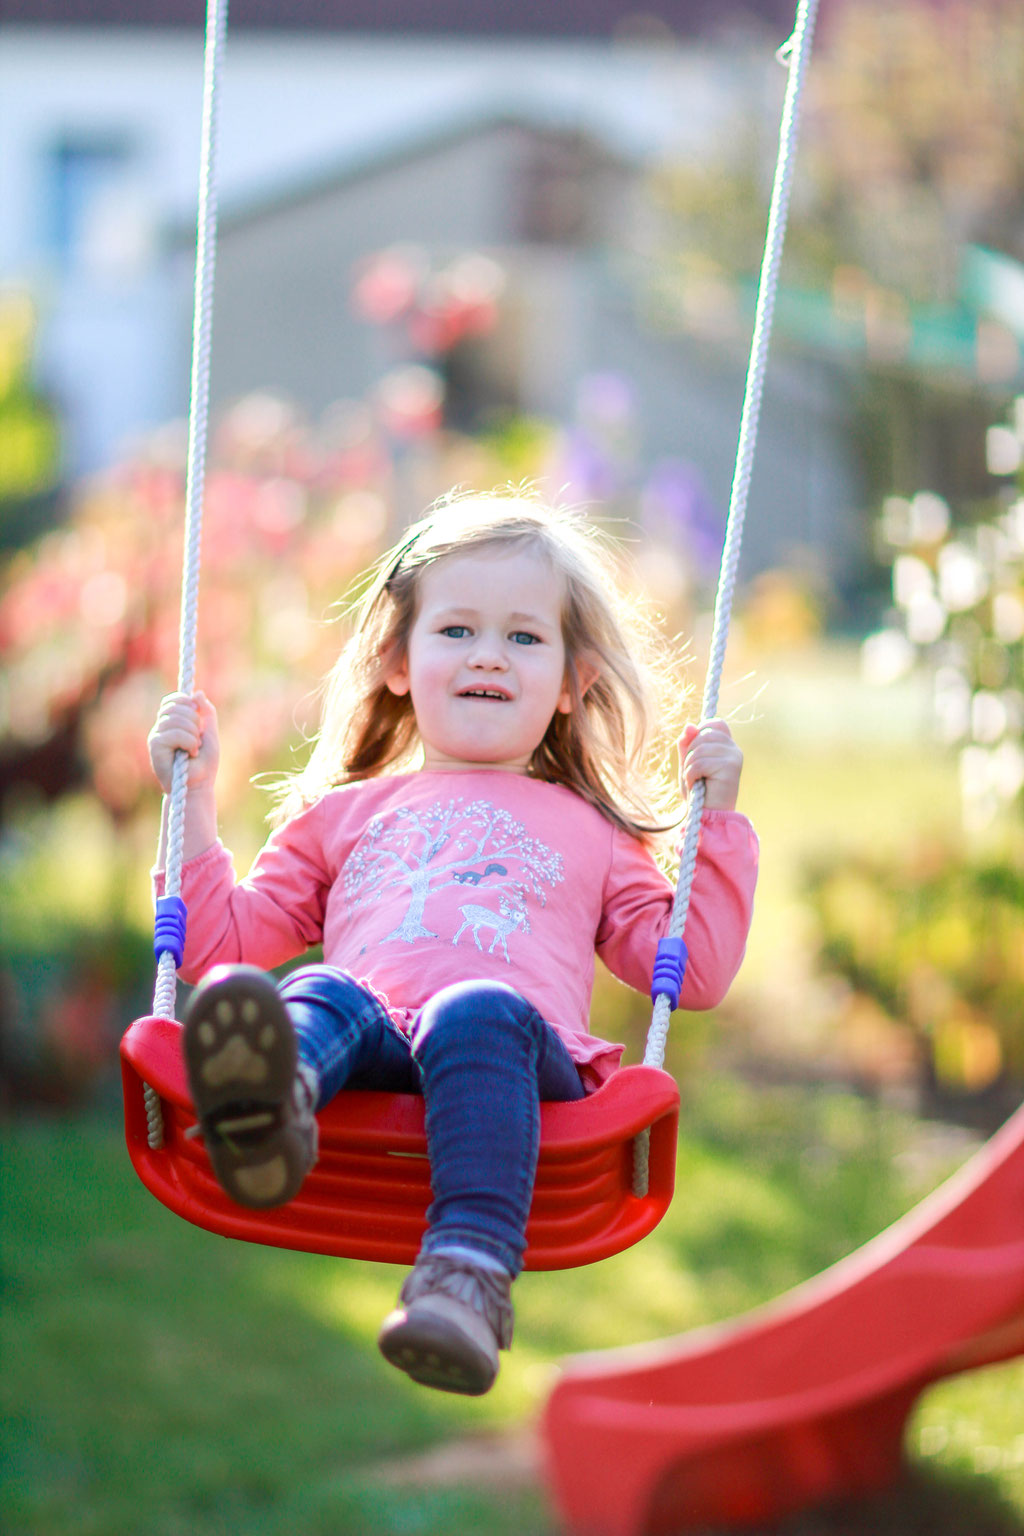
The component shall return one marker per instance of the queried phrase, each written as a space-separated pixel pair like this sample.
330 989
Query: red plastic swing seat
367 1197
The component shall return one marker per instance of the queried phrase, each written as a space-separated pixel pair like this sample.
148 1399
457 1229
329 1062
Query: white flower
886 657
1008 617
1004 451
989 717
952 704
929 518
911 580
963 580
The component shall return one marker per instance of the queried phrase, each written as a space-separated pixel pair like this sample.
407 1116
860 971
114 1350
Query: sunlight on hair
615 747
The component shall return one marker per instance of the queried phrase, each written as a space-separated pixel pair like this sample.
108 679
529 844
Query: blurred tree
912 149
936 944
915 136
958 608
30 447
910 183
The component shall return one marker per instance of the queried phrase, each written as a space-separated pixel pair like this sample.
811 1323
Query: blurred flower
929 518
675 500
386 284
959 598
963 580
410 401
989 717
606 402
436 309
952 695
460 301
1003 451
885 657
1008 617
912 580
588 472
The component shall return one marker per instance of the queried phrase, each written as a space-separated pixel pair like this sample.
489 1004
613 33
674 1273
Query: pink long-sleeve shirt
415 881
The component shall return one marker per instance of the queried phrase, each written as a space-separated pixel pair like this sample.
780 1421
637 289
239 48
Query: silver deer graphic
482 917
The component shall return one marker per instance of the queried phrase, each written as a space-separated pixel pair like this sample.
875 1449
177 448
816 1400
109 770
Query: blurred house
561 216
526 136
100 105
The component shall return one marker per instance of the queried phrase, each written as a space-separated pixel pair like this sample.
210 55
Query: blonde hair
613 747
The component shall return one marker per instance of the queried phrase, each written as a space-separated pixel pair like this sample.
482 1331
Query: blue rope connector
169 929
669 970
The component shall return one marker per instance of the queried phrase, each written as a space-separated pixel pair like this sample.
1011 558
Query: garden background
876 1033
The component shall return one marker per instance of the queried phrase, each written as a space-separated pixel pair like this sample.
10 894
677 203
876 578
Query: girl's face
486 665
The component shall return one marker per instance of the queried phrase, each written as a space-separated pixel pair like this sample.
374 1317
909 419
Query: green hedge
937 942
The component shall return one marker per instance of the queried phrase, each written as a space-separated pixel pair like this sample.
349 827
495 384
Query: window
95 216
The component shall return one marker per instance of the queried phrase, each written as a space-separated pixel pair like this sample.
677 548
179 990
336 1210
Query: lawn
162 1381
158 1381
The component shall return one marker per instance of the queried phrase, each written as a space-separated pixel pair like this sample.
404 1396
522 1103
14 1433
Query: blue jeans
482 1057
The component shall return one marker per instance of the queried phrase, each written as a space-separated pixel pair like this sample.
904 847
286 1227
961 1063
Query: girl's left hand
708 752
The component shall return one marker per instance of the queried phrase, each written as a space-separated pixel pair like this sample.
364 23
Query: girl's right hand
186 723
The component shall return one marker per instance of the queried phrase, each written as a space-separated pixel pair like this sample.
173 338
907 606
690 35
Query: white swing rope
796 55
165 993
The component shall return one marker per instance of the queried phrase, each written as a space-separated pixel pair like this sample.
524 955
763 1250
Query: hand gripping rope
670 964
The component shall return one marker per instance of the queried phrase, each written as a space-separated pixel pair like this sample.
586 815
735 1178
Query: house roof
403 148
464 18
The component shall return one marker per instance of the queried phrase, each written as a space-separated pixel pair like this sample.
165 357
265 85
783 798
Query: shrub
937 943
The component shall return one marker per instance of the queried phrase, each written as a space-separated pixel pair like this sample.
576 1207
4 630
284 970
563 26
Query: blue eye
456 631
523 637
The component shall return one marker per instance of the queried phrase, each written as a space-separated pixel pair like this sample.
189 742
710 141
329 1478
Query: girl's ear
396 679
587 673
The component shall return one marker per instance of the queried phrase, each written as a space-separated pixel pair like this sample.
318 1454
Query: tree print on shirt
476 845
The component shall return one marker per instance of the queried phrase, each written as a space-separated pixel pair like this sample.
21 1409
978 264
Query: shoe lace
227 1124
485 1290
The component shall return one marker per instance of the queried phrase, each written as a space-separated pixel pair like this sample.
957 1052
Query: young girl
476 819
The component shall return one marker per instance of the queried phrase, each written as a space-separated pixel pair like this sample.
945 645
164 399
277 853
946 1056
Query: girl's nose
488 652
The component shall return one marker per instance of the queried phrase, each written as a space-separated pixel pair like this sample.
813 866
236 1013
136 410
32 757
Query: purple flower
676 504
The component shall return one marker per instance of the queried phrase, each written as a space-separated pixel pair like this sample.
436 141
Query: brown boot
453 1317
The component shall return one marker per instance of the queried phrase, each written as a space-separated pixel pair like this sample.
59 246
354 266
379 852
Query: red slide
805 1399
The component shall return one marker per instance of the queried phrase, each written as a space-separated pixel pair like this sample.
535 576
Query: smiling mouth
485 693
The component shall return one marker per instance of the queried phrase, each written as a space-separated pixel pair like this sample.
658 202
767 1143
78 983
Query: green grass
159 1381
